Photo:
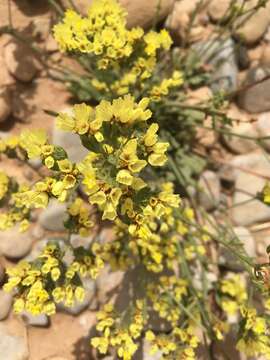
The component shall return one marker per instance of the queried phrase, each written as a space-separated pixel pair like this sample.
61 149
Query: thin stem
56 6
185 269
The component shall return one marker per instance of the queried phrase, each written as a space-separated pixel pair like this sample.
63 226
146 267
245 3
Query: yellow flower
80 293
49 162
157 159
55 274
32 142
40 200
124 177
4 182
98 198
18 306
65 165
69 181
150 137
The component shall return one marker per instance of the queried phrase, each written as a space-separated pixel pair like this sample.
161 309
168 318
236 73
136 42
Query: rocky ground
243 165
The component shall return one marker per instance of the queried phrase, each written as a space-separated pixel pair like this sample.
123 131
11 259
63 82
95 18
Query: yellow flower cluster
166 295
153 244
128 57
43 283
4 185
17 212
180 344
233 294
87 262
80 218
102 33
266 194
120 333
158 91
121 145
254 334
8 146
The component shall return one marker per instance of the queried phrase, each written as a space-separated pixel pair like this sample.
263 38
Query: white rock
15 245
41 320
246 210
209 190
5 104
12 347
5 304
20 61
53 217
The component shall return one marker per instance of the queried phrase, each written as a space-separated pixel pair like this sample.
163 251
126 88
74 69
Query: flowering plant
156 234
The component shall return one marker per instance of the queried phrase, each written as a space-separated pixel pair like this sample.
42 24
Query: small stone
218 10
38 232
12 347
221 55
41 27
209 190
265 58
20 61
6 79
247 239
41 320
5 304
239 144
70 142
250 29
140 13
179 19
15 245
107 284
263 127
144 14
243 235
35 163
51 44
255 98
5 104
247 210
53 217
